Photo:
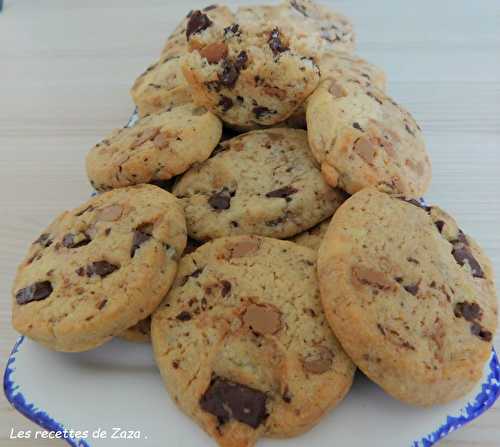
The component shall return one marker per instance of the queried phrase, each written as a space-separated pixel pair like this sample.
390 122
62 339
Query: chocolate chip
184 316
462 255
357 126
241 60
226 288
461 238
225 103
300 8
220 200
35 292
44 240
209 7
72 241
260 111
409 130
412 288
195 274
468 311
275 43
229 400
283 193
229 74
286 396
197 23
234 29
477 330
101 305
100 268
142 234
439 224
416 203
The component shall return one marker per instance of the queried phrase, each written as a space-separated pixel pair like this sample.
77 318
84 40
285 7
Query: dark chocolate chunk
228 400
234 29
409 130
184 316
220 200
462 254
197 22
469 311
71 241
225 103
275 42
477 330
100 268
35 292
142 234
357 126
229 74
283 193
226 288
286 396
195 274
412 288
241 60
461 238
260 111
439 224
44 240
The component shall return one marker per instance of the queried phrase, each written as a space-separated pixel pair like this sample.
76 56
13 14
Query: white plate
118 386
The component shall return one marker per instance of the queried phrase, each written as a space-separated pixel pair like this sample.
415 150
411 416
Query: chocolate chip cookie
99 269
361 138
409 295
158 147
248 79
263 182
242 343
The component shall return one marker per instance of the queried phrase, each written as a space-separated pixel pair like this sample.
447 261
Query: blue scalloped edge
490 391
21 404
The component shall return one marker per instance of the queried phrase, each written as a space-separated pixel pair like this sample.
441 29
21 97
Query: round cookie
160 87
409 295
312 238
99 269
248 79
242 342
157 147
263 182
361 138
315 29
138 333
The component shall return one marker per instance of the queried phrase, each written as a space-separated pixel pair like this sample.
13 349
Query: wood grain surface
65 71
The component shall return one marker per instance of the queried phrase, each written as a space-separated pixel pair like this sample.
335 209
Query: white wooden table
65 71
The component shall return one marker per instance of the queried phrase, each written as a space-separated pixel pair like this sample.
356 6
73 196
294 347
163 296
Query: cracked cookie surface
362 138
263 182
99 269
409 295
158 147
250 78
242 342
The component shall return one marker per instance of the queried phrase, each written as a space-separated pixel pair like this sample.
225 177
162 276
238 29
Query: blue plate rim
490 391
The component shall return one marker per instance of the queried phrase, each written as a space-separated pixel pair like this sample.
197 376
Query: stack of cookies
212 233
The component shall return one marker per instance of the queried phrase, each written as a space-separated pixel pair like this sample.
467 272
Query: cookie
341 65
158 147
315 29
312 238
242 342
362 138
138 333
248 79
263 182
160 87
409 295
99 269
176 43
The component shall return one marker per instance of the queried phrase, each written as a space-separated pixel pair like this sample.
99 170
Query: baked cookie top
315 29
158 147
99 269
263 182
361 138
409 295
248 77
242 343
160 87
